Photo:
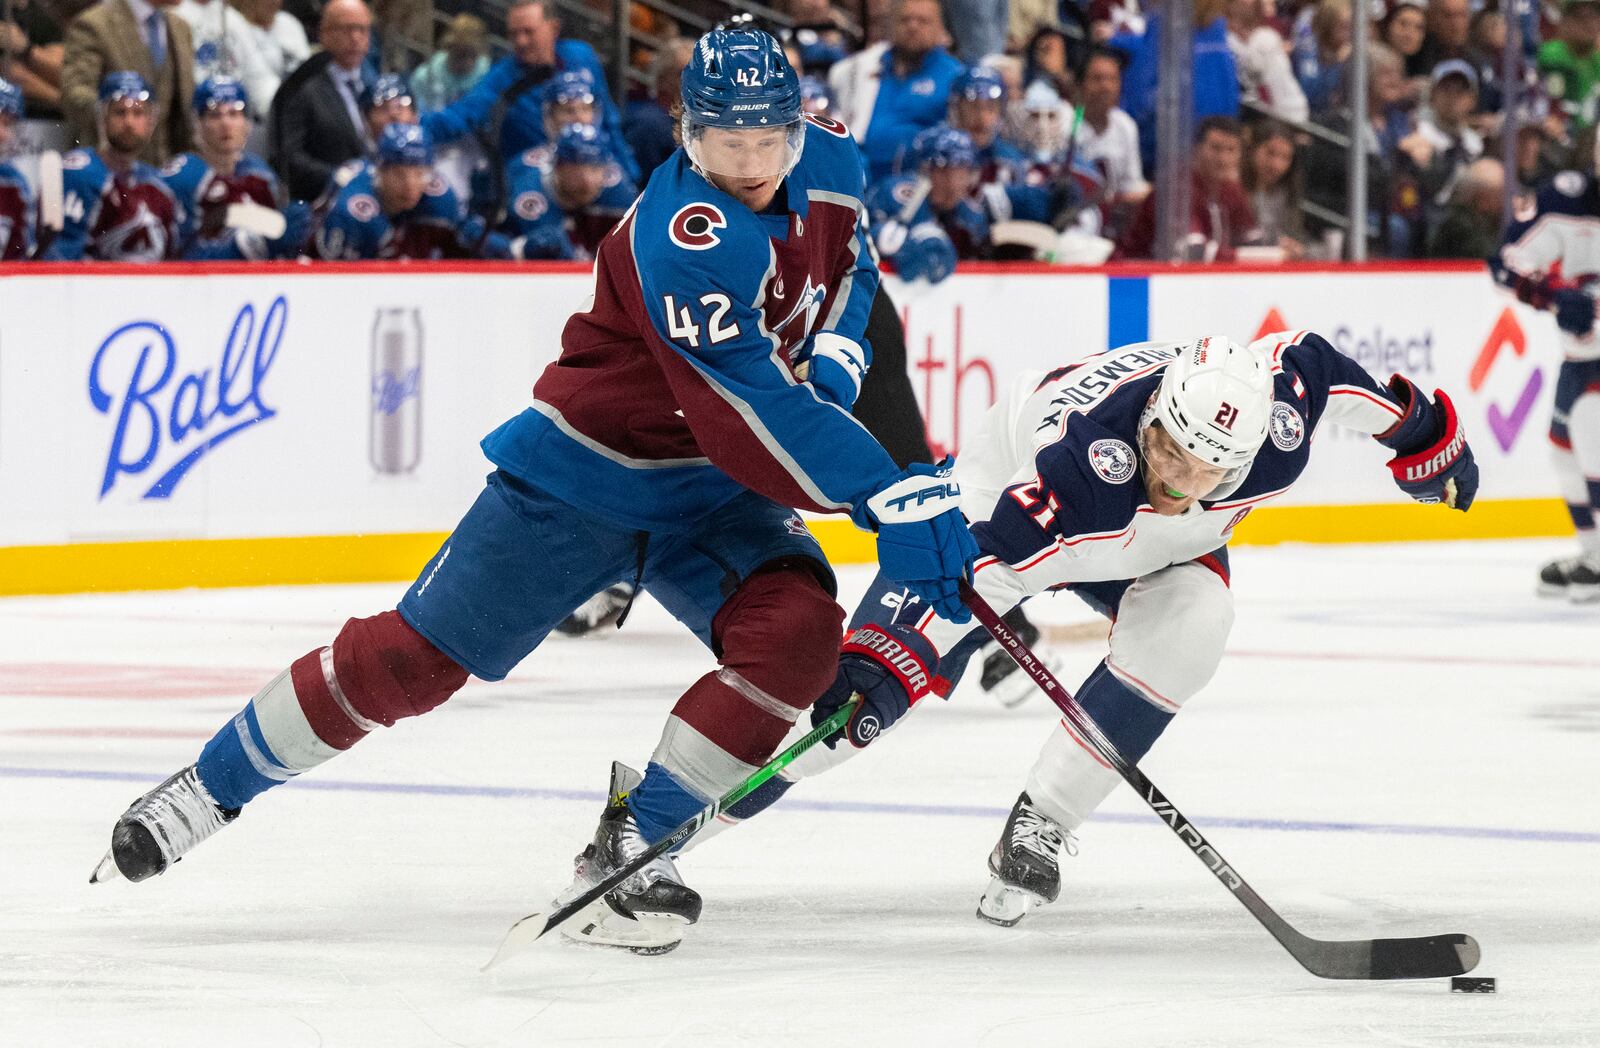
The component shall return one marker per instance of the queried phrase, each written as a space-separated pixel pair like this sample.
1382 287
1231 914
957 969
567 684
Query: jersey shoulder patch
697 226
1113 459
833 127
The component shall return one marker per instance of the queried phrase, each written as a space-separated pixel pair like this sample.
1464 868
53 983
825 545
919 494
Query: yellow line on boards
179 563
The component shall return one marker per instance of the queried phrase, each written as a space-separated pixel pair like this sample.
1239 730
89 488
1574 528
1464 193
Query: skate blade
1005 906
1551 590
1583 595
106 871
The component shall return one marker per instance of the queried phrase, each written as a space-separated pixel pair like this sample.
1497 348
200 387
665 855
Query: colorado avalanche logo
363 208
1113 460
695 226
833 127
1286 427
531 205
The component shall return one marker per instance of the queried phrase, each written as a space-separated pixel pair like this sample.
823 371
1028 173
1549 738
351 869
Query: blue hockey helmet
124 84
387 88
942 146
10 99
739 80
405 144
574 85
220 92
582 144
978 83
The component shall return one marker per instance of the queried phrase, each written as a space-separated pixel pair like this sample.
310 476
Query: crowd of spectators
991 129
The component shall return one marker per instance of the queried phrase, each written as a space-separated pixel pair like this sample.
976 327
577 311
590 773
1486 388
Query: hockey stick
1428 957
529 930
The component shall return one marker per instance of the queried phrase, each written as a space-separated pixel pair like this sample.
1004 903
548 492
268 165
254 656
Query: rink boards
231 425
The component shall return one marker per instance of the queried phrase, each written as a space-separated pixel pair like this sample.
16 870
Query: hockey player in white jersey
1551 260
1121 479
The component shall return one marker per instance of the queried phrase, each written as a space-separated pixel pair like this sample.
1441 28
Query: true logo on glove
923 496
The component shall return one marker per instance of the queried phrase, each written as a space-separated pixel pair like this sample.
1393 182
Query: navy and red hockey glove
1574 310
923 540
891 667
1433 462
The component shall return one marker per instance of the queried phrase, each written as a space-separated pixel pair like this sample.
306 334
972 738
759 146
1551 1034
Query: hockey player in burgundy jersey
565 200
1122 479
16 198
1551 260
115 207
206 183
702 393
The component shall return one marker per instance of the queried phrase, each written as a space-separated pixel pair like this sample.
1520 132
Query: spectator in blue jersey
978 106
16 198
563 207
647 124
115 207
1215 82
505 109
395 207
228 198
461 61
908 91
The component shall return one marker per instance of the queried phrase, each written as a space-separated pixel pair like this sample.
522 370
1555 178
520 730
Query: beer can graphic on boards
395 433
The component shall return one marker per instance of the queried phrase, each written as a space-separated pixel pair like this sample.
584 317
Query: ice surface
1403 740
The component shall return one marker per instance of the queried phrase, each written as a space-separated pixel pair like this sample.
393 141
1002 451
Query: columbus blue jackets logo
695 226
1286 427
1113 460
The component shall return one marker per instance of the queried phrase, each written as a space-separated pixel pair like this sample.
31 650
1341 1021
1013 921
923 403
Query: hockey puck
1471 984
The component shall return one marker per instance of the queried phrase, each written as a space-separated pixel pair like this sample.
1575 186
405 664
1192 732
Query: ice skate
162 827
602 609
648 912
1026 865
1002 679
1574 578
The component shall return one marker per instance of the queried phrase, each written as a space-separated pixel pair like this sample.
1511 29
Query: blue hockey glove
1574 311
1433 463
927 254
923 541
838 366
892 667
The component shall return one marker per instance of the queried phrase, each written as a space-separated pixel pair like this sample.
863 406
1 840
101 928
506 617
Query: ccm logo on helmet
695 226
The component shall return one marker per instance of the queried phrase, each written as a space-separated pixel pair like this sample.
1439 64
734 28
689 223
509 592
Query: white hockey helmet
1215 401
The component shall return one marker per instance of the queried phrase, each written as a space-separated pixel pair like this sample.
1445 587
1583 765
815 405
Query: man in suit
145 37
320 126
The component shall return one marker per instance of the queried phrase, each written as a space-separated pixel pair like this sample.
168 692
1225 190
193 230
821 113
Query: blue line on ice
858 807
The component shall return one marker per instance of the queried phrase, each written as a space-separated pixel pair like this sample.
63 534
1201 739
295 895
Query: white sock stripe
284 725
264 765
699 765
338 694
758 698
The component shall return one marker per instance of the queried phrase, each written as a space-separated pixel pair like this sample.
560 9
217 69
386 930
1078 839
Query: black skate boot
602 609
161 827
646 913
1003 680
1025 864
1573 578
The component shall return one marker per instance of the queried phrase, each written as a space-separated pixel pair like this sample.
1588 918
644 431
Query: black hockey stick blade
1428 957
533 927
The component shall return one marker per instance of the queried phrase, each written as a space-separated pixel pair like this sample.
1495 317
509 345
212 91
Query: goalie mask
1214 403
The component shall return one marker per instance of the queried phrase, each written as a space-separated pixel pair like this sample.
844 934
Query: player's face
223 129
948 186
1173 478
394 111
579 185
129 124
979 118
747 164
400 186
